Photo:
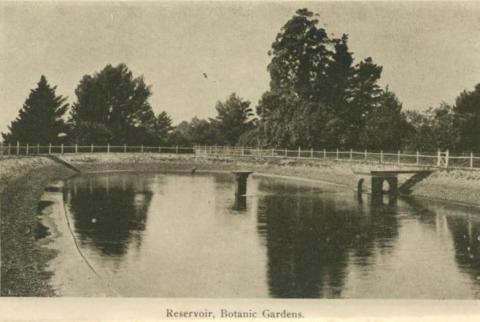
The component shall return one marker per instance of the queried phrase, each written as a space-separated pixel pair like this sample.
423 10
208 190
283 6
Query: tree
421 136
155 130
114 100
300 56
317 96
433 129
40 119
234 117
287 120
364 96
386 126
92 133
195 132
446 134
163 128
467 119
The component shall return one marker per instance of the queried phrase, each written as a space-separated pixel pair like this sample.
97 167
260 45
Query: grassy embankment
22 182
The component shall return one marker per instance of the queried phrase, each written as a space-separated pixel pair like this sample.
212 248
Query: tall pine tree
40 119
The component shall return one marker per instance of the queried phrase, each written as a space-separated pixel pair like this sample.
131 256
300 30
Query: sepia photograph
230 152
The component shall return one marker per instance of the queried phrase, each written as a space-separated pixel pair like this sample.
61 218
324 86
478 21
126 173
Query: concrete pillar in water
241 189
393 183
393 192
377 189
240 203
241 178
360 189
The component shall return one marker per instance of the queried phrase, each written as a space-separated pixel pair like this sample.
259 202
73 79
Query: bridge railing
442 159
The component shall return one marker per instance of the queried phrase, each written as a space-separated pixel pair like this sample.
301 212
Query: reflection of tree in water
466 240
422 211
108 212
310 240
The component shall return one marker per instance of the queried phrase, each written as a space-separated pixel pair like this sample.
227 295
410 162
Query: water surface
176 235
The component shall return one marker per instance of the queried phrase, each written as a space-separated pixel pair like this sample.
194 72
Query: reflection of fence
441 159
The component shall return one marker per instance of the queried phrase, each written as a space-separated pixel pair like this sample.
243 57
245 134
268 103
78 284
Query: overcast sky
429 51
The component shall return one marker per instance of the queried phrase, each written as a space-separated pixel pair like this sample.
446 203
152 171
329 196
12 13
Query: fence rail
70 149
441 160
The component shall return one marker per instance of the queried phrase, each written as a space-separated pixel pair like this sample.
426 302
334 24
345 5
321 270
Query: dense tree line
319 97
454 127
234 119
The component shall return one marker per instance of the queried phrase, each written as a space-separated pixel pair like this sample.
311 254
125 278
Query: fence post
38 148
351 155
124 148
76 148
108 147
471 159
311 153
273 152
299 151
176 149
18 148
447 156
438 158
366 155
418 158
61 147
9 148
381 156
49 148
91 148
243 150
324 154
398 157
336 157
141 148
26 151
285 152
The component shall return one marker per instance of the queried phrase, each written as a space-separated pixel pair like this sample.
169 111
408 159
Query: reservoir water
178 235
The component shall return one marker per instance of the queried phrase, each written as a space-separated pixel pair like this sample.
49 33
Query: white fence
37 149
440 159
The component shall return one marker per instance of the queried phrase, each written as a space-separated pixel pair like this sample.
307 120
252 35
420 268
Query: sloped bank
23 260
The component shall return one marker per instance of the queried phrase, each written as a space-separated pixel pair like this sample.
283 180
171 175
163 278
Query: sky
429 50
